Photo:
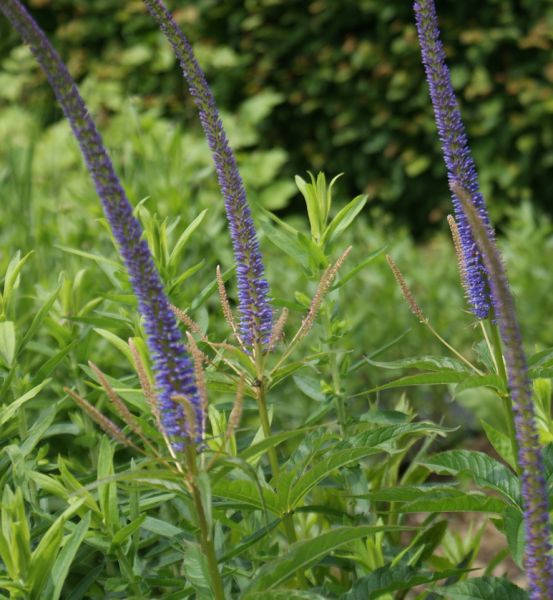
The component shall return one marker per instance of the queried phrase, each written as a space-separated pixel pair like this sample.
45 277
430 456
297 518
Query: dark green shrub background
347 86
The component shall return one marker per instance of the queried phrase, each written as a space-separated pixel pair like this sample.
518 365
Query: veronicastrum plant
195 493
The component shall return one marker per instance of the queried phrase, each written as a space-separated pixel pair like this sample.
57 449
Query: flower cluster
253 289
458 159
538 561
172 366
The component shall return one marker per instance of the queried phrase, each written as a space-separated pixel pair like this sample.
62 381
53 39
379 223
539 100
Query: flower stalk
172 366
253 288
538 559
457 156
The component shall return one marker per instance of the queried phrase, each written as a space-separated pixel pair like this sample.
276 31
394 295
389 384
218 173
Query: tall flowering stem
253 289
172 366
457 156
538 560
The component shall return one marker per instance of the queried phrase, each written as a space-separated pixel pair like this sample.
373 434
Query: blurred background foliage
333 86
325 85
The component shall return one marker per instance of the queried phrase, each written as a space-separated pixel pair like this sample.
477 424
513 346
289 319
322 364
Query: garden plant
178 423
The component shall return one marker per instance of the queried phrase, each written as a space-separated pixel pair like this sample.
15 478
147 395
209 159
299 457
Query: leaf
513 522
117 342
475 381
344 218
38 319
161 528
7 342
483 588
427 363
304 554
322 469
250 541
285 242
247 492
125 532
271 442
63 562
435 498
286 595
45 554
196 571
107 490
392 579
310 386
11 281
7 412
485 471
501 443
436 378
186 235
53 362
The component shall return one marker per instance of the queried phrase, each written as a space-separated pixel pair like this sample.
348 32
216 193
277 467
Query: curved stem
497 355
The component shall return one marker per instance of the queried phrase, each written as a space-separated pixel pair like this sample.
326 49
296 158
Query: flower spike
173 368
457 156
253 288
538 559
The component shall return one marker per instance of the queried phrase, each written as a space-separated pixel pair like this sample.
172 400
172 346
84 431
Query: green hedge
345 85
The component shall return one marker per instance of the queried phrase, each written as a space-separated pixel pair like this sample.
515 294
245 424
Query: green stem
335 375
260 397
497 355
206 539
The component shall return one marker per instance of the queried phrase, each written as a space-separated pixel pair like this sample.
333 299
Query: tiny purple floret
457 156
253 288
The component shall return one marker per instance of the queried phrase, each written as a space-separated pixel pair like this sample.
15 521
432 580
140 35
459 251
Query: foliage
344 92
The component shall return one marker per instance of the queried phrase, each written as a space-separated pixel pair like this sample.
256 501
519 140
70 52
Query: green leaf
285 242
247 492
38 319
125 532
435 498
162 528
44 555
392 579
7 342
53 362
250 541
423 363
513 522
196 571
185 236
483 469
286 595
322 469
65 558
11 281
475 381
272 442
501 443
483 588
436 378
304 554
107 488
117 342
344 218
7 412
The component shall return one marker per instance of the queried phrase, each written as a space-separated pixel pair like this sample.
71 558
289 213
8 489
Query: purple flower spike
538 560
459 163
253 289
172 366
